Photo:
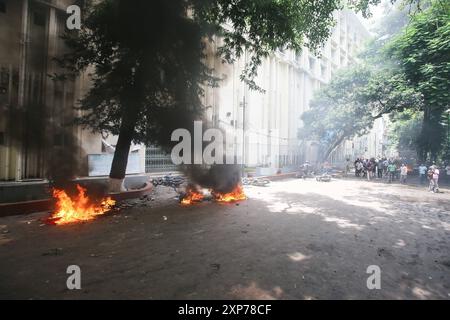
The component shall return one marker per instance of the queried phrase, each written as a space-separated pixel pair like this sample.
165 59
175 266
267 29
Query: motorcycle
259 182
169 181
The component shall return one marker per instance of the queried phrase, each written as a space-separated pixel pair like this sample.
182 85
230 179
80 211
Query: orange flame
237 194
191 197
78 209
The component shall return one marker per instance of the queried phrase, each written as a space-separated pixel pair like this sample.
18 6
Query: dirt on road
295 239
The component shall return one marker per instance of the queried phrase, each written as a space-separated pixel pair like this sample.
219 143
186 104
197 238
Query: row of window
39 17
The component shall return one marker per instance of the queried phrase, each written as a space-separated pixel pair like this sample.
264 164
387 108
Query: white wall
273 117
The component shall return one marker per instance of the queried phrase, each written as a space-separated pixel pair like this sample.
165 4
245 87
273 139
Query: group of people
432 174
393 169
370 168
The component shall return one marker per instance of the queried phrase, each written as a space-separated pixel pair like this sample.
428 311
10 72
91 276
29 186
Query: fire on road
294 239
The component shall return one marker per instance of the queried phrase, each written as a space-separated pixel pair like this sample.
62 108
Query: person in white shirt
433 176
403 173
359 167
435 179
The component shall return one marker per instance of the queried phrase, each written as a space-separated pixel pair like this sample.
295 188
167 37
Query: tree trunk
132 100
120 160
423 145
432 136
334 146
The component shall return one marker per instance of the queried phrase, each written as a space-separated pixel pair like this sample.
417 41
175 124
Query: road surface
292 240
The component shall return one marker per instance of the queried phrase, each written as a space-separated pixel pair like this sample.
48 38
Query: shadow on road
285 242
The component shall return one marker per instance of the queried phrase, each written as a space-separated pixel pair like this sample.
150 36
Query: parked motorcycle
259 182
169 181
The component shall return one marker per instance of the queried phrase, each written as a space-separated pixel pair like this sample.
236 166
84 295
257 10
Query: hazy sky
377 12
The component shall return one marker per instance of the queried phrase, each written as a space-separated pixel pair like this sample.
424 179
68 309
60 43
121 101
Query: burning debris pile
193 195
79 208
210 166
222 182
218 183
236 194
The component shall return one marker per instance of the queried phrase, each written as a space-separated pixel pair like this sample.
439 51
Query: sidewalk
28 190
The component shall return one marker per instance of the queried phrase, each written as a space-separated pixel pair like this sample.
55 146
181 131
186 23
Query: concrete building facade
271 120
36 112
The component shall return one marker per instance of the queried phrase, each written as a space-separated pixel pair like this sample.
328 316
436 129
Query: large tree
423 52
402 69
352 101
146 58
404 132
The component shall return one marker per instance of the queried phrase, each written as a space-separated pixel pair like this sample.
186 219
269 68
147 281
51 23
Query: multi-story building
36 113
271 120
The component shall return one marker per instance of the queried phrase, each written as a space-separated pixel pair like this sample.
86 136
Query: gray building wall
271 120
36 113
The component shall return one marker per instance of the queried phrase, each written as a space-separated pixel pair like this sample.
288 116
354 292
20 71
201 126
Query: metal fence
157 160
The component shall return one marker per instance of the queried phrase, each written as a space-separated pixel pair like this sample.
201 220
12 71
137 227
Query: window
2 6
312 64
333 53
39 18
323 70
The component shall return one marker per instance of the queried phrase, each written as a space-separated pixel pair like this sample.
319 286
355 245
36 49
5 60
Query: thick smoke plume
221 178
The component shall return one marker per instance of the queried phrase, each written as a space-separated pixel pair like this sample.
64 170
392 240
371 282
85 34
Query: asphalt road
292 240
